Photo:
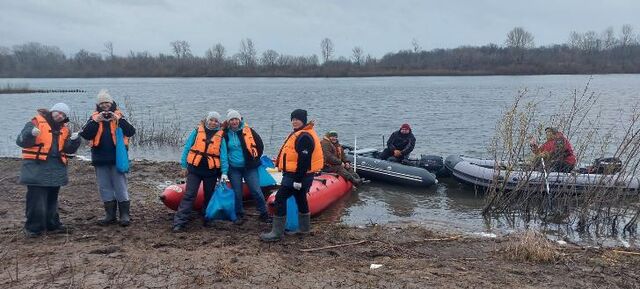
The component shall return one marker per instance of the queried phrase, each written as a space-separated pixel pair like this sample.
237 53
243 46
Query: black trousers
42 209
387 155
287 190
186 204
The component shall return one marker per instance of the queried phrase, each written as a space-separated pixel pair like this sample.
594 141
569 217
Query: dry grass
531 246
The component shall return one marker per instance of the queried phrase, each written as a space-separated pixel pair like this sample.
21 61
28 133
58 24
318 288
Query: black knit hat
299 114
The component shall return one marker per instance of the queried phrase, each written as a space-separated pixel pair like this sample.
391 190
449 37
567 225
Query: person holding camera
100 130
45 141
203 157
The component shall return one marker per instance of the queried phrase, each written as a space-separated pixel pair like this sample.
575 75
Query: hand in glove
35 131
224 178
74 136
297 185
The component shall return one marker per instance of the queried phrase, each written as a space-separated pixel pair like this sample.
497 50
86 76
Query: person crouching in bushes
299 159
203 155
334 159
244 149
100 130
45 142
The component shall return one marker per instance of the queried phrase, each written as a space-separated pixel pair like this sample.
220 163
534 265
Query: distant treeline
584 53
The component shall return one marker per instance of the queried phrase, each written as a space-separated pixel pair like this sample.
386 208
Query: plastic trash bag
122 156
292 215
222 205
266 180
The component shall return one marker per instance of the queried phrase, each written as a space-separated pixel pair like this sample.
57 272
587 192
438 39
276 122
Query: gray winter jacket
49 173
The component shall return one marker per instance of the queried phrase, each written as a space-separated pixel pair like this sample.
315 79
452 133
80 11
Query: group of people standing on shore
217 150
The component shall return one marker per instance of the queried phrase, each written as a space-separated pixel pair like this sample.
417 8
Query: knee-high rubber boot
110 209
123 207
305 223
277 230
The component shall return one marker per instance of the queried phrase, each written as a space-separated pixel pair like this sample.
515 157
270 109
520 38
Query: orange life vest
40 151
287 160
95 142
200 148
249 142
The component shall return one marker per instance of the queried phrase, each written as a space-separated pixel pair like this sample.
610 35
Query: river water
448 115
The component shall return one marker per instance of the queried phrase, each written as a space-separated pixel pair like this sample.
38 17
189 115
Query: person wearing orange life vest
334 158
299 159
100 131
203 155
45 140
244 149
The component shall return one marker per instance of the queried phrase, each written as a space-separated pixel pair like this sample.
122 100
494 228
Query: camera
106 114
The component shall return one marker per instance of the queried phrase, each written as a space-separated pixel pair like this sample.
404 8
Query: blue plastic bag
222 205
122 156
266 180
292 215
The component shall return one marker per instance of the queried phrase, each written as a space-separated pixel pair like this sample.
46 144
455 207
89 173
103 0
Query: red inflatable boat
172 195
325 190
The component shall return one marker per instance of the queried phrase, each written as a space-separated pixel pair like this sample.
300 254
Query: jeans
42 209
191 192
287 190
112 184
253 182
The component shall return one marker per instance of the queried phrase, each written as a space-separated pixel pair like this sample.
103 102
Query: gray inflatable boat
482 173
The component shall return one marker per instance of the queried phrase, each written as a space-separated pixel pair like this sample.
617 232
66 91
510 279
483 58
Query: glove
297 186
35 131
224 178
74 136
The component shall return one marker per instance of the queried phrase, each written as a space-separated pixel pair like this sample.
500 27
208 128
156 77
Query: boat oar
355 155
546 182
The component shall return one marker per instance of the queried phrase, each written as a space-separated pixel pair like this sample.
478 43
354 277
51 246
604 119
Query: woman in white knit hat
202 158
100 130
45 141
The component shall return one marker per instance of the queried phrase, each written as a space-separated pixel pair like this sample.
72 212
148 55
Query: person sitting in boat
399 145
334 158
203 158
557 151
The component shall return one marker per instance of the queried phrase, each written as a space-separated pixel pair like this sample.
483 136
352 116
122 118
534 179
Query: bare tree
591 42
628 37
247 54
358 57
519 38
216 53
269 58
575 40
416 45
108 48
181 48
326 47
608 39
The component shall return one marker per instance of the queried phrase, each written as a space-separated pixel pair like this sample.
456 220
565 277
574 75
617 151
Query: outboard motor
606 166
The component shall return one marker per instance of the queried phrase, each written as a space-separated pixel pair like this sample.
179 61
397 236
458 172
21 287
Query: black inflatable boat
369 167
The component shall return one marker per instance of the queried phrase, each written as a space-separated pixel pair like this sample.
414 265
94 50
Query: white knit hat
213 114
61 107
104 96
232 113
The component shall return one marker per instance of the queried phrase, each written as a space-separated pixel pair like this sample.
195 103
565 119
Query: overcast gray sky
296 27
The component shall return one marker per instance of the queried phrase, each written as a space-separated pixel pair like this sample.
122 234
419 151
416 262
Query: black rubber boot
304 223
277 230
110 214
123 207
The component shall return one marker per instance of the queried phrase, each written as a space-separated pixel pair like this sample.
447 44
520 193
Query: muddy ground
147 254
